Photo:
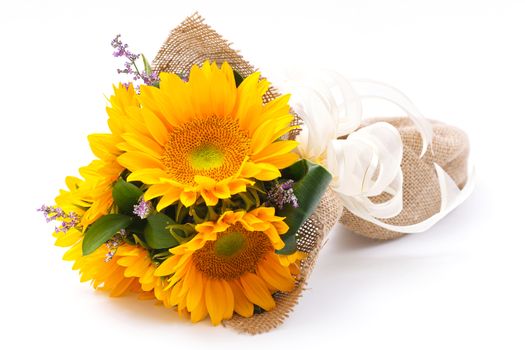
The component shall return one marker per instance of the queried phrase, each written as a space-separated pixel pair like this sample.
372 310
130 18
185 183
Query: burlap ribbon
193 42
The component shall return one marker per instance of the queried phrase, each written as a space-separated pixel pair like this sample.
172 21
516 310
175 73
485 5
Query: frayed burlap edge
194 42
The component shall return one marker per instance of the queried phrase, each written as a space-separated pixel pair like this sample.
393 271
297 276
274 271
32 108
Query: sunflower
91 197
129 267
130 270
230 265
206 137
103 274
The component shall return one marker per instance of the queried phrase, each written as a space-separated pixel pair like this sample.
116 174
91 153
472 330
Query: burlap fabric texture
421 192
193 42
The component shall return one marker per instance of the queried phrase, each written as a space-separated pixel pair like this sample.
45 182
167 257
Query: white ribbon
368 162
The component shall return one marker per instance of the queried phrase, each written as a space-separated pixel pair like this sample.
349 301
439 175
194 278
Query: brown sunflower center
235 252
214 147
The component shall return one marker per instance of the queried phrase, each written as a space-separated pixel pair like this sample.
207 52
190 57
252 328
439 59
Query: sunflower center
235 252
213 146
206 157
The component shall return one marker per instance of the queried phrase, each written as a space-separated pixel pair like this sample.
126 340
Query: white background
458 286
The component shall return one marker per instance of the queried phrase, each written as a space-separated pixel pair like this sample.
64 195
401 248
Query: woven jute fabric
421 192
194 42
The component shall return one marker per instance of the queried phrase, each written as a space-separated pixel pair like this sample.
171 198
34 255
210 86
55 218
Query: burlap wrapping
421 193
193 42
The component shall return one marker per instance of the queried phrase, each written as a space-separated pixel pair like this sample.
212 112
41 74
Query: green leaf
137 226
126 195
296 171
238 78
157 233
147 66
308 190
102 230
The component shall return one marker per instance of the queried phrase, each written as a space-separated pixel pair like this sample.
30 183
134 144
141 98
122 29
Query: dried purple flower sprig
281 194
67 220
113 244
147 76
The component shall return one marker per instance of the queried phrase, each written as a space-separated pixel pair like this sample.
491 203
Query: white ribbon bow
368 162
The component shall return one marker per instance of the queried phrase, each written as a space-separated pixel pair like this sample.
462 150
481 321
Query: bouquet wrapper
421 190
193 42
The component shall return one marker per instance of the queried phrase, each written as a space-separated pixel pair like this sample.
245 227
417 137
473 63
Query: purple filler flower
113 244
143 209
67 220
282 194
130 66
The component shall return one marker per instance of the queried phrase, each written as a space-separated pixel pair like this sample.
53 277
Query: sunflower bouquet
209 194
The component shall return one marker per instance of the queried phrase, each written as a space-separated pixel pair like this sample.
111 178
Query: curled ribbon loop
367 162
373 89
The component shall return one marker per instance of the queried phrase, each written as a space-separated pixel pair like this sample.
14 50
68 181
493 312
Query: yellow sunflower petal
199 313
177 92
209 197
256 291
267 172
103 145
242 305
246 96
222 190
144 144
228 300
155 190
238 186
275 149
169 198
156 127
215 300
69 238
188 198
250 169
263 136
149 176
282 161
195 293
276 275
138 160
167 267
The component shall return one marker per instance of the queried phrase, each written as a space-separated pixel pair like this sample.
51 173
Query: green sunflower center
230 244
206 157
